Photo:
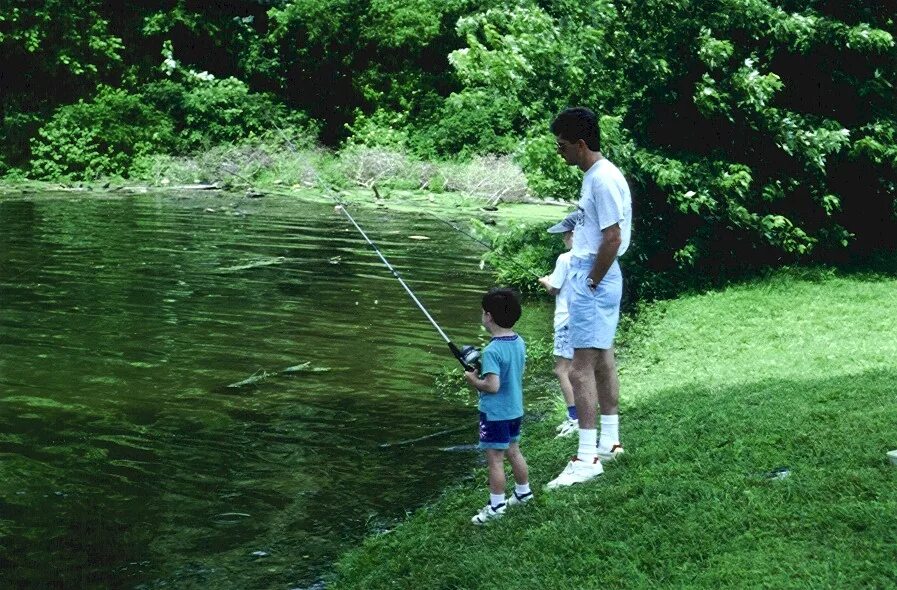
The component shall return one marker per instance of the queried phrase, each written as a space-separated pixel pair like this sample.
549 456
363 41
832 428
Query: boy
557 284
500 387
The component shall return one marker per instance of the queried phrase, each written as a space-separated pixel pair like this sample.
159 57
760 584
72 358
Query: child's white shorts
562 346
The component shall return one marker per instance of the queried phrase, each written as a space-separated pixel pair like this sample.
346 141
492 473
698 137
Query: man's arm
489 384
611 238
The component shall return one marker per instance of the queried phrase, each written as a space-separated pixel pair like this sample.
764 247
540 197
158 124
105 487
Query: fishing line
486 244
466 355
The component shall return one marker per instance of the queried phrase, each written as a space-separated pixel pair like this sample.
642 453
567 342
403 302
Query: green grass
718 391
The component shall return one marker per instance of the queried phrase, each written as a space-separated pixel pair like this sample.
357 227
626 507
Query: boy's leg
518 465
497 481
494 439
522 492
563 357
562 370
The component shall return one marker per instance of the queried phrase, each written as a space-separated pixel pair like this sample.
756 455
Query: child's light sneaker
576 472
567 427
610 455
518 499
488 513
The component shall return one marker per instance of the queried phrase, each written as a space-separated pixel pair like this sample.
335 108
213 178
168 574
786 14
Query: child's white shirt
558 280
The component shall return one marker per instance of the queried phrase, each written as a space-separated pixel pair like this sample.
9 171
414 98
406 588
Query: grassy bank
719 392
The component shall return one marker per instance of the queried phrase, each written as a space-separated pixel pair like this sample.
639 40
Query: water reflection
124 458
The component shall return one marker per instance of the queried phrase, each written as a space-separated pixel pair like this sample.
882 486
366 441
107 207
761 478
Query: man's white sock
587 448
610 431
496 500
521 489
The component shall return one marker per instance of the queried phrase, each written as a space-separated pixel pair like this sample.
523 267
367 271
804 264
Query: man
596 289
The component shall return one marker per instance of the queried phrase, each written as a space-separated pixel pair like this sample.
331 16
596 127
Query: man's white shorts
594 313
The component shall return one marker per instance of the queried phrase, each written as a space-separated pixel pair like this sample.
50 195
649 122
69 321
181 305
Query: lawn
756 422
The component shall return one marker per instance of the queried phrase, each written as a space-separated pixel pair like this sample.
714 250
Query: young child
557 284
500 386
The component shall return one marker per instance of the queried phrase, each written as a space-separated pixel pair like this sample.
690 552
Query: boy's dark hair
578 123
504 305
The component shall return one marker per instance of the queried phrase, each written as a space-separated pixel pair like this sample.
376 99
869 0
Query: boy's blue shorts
498 434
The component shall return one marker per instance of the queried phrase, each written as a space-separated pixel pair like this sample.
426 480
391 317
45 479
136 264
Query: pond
130 457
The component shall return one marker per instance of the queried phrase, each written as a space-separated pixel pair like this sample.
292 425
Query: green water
125 458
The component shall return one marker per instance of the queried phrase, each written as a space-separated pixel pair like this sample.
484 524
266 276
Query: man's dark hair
504 305
578 123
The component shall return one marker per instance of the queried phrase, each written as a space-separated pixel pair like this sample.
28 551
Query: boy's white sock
521 489
587 451
496 500
610 431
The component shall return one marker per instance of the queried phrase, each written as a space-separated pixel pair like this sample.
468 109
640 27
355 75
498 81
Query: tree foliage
751 130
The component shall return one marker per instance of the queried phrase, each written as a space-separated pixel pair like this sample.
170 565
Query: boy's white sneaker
567 427
518 499
576 472
488 513
612 454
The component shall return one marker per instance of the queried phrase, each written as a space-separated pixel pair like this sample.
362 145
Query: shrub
256 162
495 178
469 123
521 254
209 112
100 137
370 166
548 175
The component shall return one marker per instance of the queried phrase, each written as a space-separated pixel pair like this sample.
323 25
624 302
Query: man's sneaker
517 499
488 513
610 455
567 427
576 472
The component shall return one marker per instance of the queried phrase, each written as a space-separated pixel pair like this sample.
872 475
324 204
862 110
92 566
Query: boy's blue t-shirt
504 356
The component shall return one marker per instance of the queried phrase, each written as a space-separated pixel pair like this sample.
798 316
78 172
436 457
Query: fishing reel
468 356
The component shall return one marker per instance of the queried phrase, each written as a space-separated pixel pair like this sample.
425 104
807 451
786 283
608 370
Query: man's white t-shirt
558 280
604 200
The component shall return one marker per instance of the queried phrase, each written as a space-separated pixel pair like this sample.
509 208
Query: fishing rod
468 356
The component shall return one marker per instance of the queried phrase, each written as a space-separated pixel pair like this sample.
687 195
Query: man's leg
607 384
585 465
582 377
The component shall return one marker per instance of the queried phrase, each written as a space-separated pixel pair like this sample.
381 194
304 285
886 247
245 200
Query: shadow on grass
695 502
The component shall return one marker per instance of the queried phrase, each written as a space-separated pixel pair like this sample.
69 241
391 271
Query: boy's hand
471 376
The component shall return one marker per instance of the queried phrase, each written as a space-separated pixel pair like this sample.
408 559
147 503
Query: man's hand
611 238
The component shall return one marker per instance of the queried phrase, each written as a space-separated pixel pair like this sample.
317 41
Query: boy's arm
488 384
545 282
